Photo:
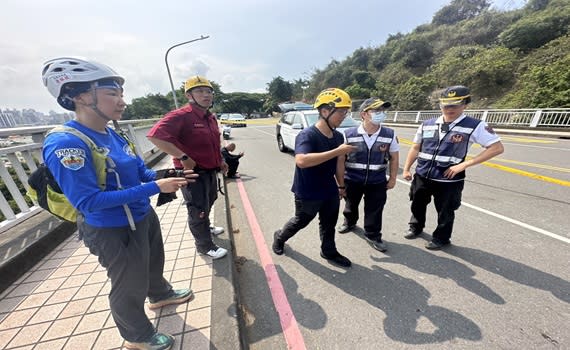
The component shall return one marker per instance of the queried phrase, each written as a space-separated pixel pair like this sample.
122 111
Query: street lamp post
168 68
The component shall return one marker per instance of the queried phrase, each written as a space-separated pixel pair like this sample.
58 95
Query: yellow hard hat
197 81
333 97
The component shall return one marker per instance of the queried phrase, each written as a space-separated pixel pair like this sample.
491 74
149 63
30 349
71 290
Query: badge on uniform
457 138
71 158
383 147
428 133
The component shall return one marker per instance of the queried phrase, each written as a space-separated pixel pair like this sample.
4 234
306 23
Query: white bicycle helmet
65 78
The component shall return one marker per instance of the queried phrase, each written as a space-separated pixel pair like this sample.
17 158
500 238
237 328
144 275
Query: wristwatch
183 158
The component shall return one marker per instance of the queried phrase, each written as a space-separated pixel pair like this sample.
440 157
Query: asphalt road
503 284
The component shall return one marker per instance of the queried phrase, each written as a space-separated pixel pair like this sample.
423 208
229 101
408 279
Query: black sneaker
278 245
412 233
436 245
377 244
337 259
344 228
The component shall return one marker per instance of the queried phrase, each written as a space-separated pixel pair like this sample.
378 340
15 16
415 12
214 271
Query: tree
414 94
537 29
280 90
241 102
544 78
459 10
487 72
414 52
358 92
364 79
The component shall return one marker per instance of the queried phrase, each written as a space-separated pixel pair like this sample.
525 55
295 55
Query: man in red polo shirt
191 136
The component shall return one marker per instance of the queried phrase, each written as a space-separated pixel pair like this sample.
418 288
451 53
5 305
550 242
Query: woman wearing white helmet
117 224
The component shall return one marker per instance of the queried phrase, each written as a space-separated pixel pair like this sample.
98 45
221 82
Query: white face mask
378 118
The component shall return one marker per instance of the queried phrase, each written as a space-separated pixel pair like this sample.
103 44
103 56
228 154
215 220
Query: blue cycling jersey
71 163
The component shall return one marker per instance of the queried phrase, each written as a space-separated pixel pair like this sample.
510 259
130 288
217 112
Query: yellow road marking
534 165
522 139
519 172
528 174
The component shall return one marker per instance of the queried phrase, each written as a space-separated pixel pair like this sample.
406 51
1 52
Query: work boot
278 245
337 259
436 245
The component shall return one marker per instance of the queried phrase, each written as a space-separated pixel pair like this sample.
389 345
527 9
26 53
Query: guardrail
532 118
16 157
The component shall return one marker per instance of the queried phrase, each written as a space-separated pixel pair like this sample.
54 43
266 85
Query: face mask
378 118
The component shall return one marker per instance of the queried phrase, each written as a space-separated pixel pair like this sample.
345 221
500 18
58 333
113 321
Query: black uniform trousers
447 199
199 197
305 212
374 201
134 261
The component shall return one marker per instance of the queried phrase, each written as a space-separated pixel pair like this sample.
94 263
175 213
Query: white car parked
291 124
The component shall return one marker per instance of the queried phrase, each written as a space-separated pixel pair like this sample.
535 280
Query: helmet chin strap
327 119
196 102
94 104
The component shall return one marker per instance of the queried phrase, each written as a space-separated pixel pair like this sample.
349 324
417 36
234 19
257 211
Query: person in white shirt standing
365 171
440 147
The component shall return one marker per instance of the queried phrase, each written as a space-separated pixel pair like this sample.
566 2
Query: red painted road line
291 331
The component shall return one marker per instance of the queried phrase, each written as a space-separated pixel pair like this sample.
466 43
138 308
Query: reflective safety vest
368 165
436 155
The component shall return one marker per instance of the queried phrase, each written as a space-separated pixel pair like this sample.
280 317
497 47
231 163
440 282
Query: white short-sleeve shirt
482 135
370 139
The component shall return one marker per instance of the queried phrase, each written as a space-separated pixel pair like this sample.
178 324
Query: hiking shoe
278 245
436 245
216 230
412 233
177 296
377 244
159 341
344 228
337 259
216 252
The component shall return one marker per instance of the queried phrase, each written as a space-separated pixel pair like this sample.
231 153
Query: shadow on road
403 300
514 271
259 322
426 262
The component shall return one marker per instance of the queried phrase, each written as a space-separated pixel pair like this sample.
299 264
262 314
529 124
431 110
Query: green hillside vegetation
509 59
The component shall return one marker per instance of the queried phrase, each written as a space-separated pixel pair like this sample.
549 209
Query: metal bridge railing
532 118
15 159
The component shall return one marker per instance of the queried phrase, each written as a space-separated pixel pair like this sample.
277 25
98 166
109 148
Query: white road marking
505 218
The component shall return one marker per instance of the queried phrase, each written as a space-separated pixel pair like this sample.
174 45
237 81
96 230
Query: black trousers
199 197
134 261
374 201
232 166
447 199
305 212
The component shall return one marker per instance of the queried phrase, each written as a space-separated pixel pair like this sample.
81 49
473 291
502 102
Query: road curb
227 323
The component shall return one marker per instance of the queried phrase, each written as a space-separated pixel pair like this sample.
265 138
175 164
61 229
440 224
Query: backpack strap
103 163
98 153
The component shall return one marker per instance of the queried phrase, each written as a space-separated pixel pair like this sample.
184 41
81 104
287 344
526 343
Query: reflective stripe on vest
436 155
368 165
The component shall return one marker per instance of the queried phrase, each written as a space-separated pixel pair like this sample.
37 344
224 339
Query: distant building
7 119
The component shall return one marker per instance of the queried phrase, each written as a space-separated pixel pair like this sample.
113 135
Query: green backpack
44 190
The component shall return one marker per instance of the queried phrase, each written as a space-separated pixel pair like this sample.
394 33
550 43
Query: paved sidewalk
62 302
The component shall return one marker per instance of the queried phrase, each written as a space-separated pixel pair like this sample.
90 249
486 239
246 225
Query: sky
249 42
